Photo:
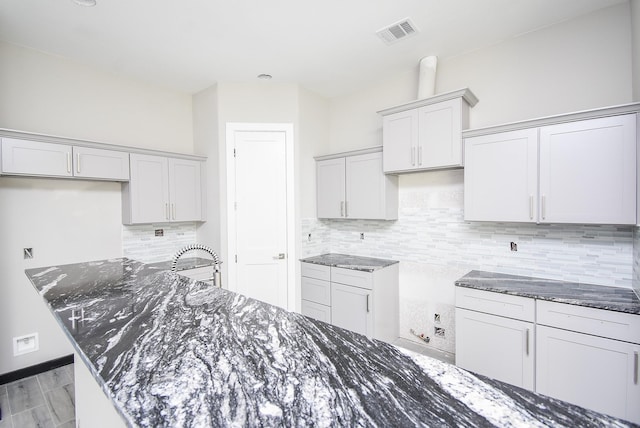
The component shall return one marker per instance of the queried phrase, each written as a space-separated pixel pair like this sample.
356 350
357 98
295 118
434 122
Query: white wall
64 221
579 64
68 221
48 94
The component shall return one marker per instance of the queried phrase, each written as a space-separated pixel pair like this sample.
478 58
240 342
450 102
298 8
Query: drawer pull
635 368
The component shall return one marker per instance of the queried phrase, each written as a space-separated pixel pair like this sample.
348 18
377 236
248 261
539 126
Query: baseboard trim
36 369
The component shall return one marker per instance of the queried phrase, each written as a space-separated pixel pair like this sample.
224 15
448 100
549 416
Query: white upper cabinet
588 171
354 186
36 158
100 164
330 188
162 190
501 176
579 171
426 134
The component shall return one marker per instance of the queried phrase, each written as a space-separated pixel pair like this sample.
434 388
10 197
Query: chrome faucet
217 279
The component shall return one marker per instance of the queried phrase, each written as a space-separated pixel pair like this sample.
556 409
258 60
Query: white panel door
149 187
440 128
501 177
365 187
400 140
35 158
101 164
261 215
330 188
588 171
351 308
593 372
185 194
498 347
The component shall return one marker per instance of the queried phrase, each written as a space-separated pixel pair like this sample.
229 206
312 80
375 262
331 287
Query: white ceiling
328 46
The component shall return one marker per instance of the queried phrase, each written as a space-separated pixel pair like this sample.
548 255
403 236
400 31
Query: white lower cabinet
494 336
584 356
591 370
363 302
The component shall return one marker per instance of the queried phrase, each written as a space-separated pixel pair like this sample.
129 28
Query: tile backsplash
141 243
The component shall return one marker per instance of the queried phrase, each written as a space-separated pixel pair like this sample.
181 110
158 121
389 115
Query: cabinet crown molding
349 153
464 93
33 136
555 119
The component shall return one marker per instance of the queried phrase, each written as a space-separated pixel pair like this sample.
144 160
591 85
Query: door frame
287 128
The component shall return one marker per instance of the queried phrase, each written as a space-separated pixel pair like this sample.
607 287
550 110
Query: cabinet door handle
544 207
531 207
419 155
69 163
635 368
173 210
78 163
346 209
413 155
166 211
367 303
341 208
526 341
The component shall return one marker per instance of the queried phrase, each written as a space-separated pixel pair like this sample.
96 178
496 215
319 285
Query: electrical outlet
514 246
25 344
436 318
438 331
362 236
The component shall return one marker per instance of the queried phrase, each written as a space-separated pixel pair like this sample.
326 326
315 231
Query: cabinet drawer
311 270
597 322
352 277
505 305
316 290
316 311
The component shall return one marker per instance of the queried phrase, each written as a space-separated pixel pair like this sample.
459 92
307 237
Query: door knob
279 257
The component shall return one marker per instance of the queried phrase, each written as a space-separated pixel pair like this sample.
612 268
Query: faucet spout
192 247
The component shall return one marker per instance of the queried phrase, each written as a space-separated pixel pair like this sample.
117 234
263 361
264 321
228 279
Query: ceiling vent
397 31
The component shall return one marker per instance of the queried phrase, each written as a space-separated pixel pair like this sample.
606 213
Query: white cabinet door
501 177
588 171
365 187
351 308
100 164
36 158
330 188
149 189
593 372
440 135
316 311
400 141
185 192
498 347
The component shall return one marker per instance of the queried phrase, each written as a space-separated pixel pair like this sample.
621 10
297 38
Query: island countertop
170 351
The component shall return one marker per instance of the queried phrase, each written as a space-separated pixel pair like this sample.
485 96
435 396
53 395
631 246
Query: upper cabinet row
155 189
352 185
426 134
581 171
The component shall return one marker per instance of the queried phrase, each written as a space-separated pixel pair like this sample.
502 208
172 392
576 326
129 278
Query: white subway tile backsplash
140 243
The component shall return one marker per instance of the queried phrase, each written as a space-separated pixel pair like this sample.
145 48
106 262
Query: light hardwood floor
45 400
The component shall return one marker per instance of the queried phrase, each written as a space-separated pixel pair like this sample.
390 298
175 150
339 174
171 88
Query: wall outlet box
25 344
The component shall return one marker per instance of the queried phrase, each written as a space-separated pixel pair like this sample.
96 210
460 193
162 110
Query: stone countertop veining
184 263
573 293
171 351
366 264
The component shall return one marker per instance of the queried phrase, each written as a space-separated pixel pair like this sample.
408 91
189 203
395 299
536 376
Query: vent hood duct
397 31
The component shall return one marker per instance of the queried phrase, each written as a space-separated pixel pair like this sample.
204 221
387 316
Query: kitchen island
170 351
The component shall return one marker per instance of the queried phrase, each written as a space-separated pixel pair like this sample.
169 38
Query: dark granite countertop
184 263
171 351
366 264
573 293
